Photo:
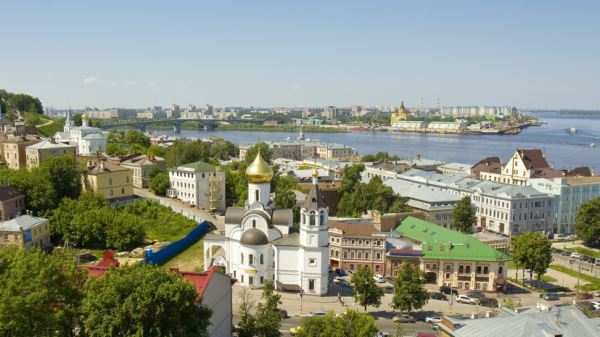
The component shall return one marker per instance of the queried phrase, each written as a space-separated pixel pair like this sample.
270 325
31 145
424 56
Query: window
352 255
311 285
253 223
485 270
250 259
312 262
262 260
242 258
262 280
311 218
500 270
242 278
367 242
366 255
460 269
359 255
478 269
378 256
122 190
360 242
376 267
256 198
447 275
345 255
251 280
468 269
110 181
303 218
351 266
322 219
352 242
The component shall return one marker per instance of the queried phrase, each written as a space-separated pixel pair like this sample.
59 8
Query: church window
311 285
303 217
262 260
242 258
262 280
251 280
256 196
253 223
322 219
312 218
250 259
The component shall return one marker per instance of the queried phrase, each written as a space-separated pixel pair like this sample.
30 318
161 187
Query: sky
529 54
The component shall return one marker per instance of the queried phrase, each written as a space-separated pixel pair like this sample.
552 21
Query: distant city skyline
270 53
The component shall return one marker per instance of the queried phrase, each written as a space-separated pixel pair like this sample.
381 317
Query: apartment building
140 164
199 184
14 150
12 202
26 231
112 181
37 153
353 245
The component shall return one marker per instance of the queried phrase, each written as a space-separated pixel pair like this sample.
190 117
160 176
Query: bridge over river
143 125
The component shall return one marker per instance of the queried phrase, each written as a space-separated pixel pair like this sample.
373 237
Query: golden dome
84 116
315 173
259 171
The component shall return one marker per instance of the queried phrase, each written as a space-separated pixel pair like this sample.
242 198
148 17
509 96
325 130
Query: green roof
200 166
442 243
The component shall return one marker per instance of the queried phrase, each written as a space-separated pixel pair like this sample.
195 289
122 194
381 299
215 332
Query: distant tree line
10 103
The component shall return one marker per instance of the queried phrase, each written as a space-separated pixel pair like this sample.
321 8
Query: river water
562 149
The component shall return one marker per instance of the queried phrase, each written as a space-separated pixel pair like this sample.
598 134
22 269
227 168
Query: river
562 149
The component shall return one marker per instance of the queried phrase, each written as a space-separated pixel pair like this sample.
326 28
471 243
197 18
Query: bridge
142 125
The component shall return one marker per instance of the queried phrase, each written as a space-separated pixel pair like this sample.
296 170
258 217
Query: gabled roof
104 167
533 158
47 144
23 222
9 192
445 244
488 164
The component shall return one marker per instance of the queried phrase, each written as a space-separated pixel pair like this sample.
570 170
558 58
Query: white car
575 255
464 299
596 305
316 313
383 334
433 319
379 278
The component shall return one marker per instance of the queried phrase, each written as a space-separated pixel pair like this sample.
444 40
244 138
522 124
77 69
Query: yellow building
37 153
26 231
112 181
400 115
14 150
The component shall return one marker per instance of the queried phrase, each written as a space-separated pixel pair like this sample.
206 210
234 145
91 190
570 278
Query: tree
463 215
39 293
268 319
63 173
114 149
366 291
143 300
247 323
378 157
159 184
349 324
532 251
265 152
380 197
185 152
587 223
351 175
409 292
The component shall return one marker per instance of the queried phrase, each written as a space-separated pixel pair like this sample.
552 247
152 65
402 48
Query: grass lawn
585 251
190 259
594 281
548 278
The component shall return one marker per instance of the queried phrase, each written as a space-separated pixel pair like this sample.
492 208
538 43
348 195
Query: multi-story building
26 231
447 127
174 112
486 165
472 111
396 257
409 126
37 153
199 184
140 164
570 193
326 150
12 202
112 181
454 259
353 245
384 170
117 113
14 150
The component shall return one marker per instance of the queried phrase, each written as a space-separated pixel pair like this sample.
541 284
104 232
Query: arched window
262 259
322 219
253 223
256 196
303 218
250 259
311 218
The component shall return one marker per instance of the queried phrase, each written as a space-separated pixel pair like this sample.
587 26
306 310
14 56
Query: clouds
92 80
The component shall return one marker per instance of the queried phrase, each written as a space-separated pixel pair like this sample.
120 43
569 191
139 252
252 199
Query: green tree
264 149
379 157
349 324
247 323
185 152
463 215
380 197
532 251
143 301
366 291
351 175
409 292
114 149
268 319
587 223
159 184
39 292
64 174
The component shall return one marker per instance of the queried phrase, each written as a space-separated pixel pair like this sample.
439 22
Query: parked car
551 297
576 255
448 291
489 302
283 313
316 314
388 289
596 305
382 334
585 296
404 318
341 282
379 278
439 296
566 253
476 295
433 319
585 258
464 299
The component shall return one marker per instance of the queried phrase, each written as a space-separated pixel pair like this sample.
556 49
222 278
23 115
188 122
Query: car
382 334
340 272
596 293
433 319
465 299
476 294
448 291
341 282
584 258
551 297
294 331
489 302
388 289
565 253
379 278
439 296
596 305
316 314
404 318
283 313
576 255
585 296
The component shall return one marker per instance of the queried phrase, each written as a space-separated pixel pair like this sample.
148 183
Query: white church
88 139
261 244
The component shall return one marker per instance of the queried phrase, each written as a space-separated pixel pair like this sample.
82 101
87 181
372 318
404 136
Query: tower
68 121
314 245
259 175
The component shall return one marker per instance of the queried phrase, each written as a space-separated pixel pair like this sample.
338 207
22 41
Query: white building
88 139
570 193
260 243
470 111
199 184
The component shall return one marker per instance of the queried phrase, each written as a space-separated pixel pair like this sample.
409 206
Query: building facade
260 243
26 231
141 164
15 155
354 245
199 184
12 202
112 181
37 153
89 140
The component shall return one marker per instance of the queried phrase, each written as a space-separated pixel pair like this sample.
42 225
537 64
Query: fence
186 213
178 246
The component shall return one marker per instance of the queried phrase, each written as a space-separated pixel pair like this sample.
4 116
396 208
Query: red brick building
355 244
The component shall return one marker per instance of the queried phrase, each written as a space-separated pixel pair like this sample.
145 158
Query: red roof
108 260
200 280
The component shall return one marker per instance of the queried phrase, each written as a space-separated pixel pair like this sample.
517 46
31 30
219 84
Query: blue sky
303 53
